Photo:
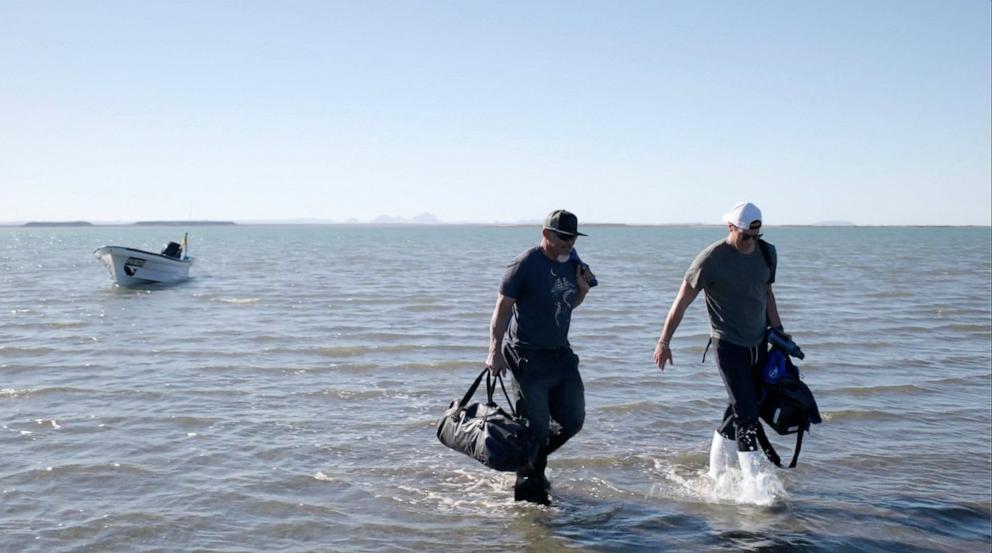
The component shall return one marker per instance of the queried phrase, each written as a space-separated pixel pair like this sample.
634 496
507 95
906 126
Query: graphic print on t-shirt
563 293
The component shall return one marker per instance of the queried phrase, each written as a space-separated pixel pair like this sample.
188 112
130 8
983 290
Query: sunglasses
565 237
749 237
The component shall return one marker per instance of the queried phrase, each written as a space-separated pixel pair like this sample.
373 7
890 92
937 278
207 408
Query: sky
658 112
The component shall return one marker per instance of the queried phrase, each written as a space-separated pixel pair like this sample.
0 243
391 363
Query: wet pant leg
548 390
567 401
739 370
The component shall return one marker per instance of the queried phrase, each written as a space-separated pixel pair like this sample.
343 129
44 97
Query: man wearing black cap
538 292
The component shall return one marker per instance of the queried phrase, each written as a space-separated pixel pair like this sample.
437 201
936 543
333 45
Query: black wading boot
531 489
531 484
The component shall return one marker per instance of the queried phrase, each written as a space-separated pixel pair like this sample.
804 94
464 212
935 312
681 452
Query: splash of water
744 478
763 489
729 485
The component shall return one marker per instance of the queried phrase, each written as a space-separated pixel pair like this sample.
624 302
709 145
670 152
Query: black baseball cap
563 222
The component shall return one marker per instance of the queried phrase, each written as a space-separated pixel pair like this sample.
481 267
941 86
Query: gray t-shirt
545 292
736 293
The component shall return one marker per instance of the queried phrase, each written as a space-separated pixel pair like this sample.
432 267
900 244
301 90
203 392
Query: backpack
785 403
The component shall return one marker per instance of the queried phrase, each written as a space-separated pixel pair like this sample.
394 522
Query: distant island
138 224
58 224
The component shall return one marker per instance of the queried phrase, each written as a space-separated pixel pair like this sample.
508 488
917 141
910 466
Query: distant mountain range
422 219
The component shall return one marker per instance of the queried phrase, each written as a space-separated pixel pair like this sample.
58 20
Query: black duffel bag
485 432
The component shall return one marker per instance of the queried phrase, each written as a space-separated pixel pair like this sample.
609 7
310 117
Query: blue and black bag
786 404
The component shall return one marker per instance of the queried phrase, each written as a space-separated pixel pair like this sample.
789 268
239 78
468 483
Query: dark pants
548 388
740 368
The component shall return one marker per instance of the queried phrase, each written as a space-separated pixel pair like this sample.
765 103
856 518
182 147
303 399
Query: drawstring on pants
755 355
754 352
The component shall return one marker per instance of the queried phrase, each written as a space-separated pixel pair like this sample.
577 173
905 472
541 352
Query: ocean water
285 398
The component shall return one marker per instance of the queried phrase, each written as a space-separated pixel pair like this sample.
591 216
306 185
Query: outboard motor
173 250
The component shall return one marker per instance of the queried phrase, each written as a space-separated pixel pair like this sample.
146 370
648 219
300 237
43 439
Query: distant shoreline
49 224
88 224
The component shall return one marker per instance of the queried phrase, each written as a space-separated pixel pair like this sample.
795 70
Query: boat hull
130 267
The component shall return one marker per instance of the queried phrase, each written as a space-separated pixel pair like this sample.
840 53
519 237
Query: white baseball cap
743 215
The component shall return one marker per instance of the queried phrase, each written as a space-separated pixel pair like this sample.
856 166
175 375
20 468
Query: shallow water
285 398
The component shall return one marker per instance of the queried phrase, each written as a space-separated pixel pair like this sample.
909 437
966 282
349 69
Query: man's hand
662 355
496 363
781 330
583 276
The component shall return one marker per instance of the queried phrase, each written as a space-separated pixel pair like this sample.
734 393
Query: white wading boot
723 455
759 485
752 463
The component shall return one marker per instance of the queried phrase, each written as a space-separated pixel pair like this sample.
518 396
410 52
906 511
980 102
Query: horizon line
408 223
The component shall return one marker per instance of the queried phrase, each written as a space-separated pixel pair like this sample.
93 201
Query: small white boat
130 267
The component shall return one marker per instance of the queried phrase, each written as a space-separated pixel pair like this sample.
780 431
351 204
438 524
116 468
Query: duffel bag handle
491 388
473 388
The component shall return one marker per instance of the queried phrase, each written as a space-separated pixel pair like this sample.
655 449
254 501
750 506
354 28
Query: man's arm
771 310
583 276
497 328
662 351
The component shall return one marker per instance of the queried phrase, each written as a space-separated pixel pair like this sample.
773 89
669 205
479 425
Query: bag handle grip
473 388
491 388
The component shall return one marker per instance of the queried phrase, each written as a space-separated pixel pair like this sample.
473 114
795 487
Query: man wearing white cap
736 275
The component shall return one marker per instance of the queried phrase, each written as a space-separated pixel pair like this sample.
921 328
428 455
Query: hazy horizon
399 221
876 113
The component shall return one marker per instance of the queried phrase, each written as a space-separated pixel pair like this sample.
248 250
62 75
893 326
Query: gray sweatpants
548 388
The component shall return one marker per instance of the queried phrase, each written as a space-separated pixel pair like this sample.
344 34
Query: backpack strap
768 449
765 253
799 442
708 344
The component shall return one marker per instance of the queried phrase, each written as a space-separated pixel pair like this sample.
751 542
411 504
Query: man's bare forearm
499 322
676 312
771 310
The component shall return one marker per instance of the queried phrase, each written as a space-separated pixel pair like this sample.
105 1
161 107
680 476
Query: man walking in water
736 275
538 292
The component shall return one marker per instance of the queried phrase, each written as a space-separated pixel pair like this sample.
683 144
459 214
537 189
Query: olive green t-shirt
734 284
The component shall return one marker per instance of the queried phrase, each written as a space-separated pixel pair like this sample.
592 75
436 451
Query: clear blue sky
874 112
